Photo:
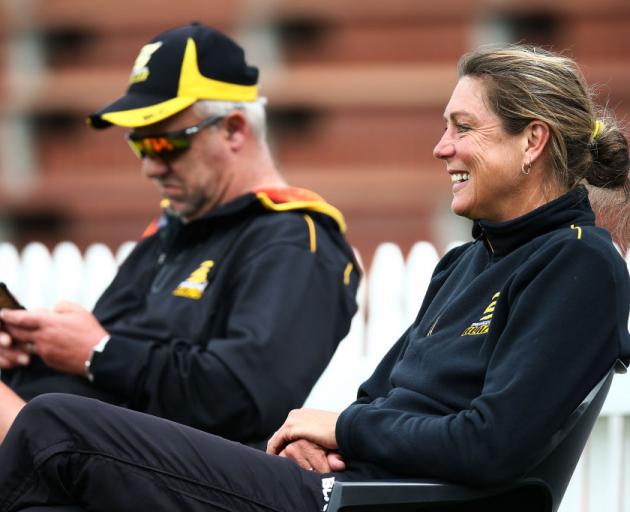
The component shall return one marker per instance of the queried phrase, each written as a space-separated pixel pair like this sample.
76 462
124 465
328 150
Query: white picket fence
389 298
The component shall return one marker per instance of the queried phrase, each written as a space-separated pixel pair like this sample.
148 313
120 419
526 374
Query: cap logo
140 71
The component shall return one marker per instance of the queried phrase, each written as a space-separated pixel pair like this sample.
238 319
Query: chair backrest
567 444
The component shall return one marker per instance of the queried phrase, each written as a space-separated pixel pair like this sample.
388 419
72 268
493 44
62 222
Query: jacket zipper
430 331
490 249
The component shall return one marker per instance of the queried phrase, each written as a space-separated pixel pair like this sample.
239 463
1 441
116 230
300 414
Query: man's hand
12 355
313 425
63 337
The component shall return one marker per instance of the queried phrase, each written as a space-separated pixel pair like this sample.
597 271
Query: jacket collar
171 228
279 199
501 238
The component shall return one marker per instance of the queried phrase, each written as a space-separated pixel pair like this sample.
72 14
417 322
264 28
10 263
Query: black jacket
226 323
515 329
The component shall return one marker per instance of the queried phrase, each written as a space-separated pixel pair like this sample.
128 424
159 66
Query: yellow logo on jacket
196 283
482 326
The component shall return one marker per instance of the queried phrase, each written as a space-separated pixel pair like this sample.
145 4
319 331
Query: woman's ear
537 133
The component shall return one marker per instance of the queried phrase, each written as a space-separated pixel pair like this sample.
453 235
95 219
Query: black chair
53 508
540 491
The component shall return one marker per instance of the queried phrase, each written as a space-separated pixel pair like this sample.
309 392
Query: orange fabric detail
151 229
288 194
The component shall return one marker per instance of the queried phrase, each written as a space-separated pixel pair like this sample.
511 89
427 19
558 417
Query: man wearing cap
226 313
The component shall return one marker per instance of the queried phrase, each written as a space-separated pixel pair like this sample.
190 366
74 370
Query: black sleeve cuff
119 368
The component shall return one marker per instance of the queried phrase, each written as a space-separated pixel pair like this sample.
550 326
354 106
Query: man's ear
236 128
537 133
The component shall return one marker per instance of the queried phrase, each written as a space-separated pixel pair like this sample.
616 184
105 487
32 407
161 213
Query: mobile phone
7 300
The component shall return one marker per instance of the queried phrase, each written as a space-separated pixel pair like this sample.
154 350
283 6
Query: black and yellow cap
177 68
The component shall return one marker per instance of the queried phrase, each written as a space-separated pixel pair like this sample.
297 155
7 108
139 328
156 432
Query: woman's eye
462 128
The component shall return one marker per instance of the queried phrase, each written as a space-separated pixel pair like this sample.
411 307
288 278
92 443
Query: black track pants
65 450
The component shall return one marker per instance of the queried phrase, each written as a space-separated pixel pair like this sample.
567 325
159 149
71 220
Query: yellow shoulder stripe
346 273
579 231
315 206
311 232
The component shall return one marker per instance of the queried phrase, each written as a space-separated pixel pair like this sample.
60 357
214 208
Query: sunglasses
168 145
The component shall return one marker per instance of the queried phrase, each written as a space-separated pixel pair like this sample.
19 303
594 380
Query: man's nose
154 167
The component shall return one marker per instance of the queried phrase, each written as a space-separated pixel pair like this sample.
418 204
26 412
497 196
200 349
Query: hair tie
597 130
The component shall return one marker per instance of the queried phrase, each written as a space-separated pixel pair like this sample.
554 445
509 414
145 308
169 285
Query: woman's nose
445 147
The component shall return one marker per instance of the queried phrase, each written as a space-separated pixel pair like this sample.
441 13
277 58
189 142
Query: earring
526 169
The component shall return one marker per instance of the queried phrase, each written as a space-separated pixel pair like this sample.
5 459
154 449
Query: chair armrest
399 495
621 365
